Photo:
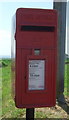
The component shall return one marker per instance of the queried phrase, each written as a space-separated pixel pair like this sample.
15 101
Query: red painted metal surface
36 29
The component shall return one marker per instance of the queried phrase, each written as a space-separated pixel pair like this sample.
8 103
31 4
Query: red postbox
36 58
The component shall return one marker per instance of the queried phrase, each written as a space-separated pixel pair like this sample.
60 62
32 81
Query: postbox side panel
18 80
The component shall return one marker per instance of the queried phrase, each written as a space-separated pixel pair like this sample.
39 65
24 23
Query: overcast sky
7 10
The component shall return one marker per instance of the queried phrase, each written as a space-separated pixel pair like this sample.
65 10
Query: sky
7 10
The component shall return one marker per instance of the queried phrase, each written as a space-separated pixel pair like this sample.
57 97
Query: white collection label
36 74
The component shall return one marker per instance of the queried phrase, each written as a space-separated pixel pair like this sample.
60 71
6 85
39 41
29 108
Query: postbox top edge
36 9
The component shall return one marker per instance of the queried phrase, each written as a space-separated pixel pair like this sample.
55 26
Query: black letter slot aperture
38 28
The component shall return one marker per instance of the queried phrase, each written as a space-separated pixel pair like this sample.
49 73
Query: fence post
61 8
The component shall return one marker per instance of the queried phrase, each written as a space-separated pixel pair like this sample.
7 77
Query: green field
66 82
8 106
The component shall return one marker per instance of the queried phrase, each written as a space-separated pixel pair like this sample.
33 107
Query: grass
66 80
0 88
8 106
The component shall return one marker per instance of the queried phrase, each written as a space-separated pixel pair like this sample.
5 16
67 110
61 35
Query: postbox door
40 96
